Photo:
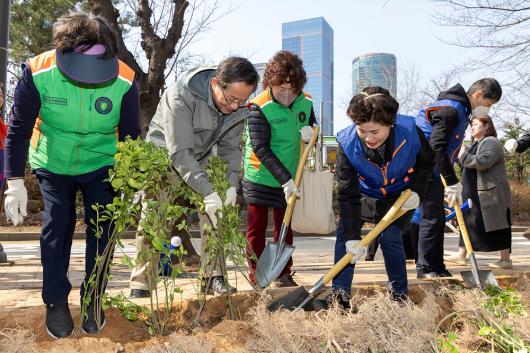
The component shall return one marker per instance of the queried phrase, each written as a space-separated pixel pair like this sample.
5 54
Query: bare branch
105 9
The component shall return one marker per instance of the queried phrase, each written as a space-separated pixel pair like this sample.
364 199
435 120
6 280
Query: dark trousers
431 229
257 220
394 257
59 195
410 243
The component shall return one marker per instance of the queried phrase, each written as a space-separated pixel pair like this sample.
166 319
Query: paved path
20 284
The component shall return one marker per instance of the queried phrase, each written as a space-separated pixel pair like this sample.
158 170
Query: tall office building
375 69
312 40
260 68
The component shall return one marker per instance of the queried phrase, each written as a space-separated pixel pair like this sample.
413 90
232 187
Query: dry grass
180 343
469 313
17 340
380 325
520 202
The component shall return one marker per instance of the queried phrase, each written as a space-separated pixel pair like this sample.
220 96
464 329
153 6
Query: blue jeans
391 244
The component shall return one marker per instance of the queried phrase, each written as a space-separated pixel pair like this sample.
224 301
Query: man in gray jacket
205 108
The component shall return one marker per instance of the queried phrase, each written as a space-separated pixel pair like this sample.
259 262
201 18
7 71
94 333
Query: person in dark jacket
380 155
520 145
71 106
280 116
444 124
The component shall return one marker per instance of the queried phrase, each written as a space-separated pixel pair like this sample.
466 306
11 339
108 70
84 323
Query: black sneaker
89 325
59 321
217 285
285 280
433 274
444 273
339 296
426 274
139 293
400 298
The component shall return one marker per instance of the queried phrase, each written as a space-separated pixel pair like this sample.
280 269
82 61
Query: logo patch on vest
55 100
103 105
302 117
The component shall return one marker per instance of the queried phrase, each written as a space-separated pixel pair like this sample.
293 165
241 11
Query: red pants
257 220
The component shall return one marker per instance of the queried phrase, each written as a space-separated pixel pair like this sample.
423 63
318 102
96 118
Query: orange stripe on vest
42 62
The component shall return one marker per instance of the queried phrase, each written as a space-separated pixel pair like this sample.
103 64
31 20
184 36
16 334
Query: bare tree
500 28
158 33
499 31
165 30
408 91
415 94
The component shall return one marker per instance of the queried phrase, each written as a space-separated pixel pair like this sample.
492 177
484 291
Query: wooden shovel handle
298 177
461 223
393 214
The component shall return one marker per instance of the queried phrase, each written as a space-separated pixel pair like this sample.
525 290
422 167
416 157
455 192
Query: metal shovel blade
485 278
478 278
272 262
290 301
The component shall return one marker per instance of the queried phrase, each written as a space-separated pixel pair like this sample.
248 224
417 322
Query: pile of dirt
375 324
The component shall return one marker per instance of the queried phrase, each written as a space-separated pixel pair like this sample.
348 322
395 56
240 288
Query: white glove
213 203
412 202
306 133
510 145
454 193
288 188
356 252
16 201
231 196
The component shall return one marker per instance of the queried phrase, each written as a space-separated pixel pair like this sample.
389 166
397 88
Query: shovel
475 278
276 254
301 299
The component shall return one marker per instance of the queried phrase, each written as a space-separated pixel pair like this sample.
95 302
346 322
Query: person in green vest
279 117
71 106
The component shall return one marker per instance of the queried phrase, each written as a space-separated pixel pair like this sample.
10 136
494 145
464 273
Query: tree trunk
149 102
158 51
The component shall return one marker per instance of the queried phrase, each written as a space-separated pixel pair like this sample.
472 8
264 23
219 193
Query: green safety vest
285 136
76 130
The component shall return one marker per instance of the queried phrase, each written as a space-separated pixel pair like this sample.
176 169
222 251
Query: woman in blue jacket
379 156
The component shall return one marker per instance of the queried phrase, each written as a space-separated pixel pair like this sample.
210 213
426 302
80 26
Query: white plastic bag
313 212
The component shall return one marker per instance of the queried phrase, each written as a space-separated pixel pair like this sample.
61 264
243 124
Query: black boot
285 280
217 285
89 324
337 296
433 274
59 322
399 298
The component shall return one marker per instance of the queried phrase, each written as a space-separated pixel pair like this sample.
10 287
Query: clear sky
401 27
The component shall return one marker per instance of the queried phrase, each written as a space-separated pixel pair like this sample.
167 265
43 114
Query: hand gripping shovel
300 298
475 277
276 254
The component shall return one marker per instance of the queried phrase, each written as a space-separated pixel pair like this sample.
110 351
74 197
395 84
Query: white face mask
480 111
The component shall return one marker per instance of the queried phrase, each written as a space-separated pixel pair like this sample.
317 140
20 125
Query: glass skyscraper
312 40
375 69
260 68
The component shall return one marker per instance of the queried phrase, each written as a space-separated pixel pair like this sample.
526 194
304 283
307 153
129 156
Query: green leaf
486 331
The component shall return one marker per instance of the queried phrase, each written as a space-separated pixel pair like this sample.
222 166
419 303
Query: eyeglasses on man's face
231 101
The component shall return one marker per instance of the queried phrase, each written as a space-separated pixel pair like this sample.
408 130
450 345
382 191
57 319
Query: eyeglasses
232 101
